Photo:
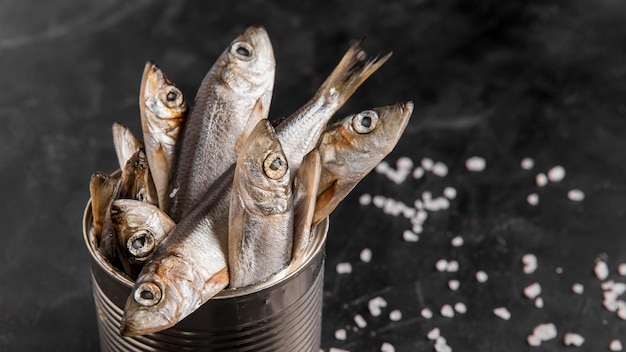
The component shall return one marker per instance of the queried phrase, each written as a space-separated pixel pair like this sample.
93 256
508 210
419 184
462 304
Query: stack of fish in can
215 196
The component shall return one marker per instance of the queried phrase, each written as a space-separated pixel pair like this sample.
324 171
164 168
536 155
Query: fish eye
140 244
275 165
147 294
365 121
172 97
242 51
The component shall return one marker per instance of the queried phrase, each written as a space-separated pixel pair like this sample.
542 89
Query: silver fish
163 110
186 269
260 227
241 76
352 147
305 187
140 227
126 144
299 132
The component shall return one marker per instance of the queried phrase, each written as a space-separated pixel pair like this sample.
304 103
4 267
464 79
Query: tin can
284 315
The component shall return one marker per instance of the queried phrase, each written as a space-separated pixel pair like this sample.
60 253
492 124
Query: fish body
163 110
300 132
125 143
352 147
241 76
186 269
260 228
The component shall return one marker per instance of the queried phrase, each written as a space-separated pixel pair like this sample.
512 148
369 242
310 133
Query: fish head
262 173
159 96
165 292
360 141
249 65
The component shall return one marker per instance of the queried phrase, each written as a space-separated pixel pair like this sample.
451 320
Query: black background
502 80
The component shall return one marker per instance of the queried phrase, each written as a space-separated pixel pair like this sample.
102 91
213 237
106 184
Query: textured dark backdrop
499 79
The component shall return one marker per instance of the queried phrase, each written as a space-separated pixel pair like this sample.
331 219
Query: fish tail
353 69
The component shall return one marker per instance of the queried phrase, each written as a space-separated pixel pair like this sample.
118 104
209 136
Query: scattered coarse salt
360 321
375 304
335 349
387 347
475 163
558 270
527 163
578 288
340 334
449 192
433 334
545 331
601 270
410 236
556 174
441 345
378 201
426 313
418 173
427 195
530 263
532 199
502 313
452 267
365 199
427 163
421 216
575 195
457 241
404 163
417 228
573 339
409 212
344 268
440 169
607 285
541 179
460 307
616 345
454 285
533 290
366 255
395 315
441 265
481 276
538 302
447 311
382 167
621 269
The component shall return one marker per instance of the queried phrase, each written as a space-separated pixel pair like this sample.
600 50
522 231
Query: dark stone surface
499 79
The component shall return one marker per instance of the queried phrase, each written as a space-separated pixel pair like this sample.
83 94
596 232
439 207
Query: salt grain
538 302
573 339
460 307
441 265
360 321
578 288
601 270
447 311
395 315
365 199
527 163
541 179
387 347
452 267
621 269
558 270
417 228
556 174
335 349
576 195
616 345
545 331
344 268
449 192
366 255
410 236
440 169
378 201
533 341
530 263
454 284
340 334
426 313
475 164
532 291
433 334
441 345
375 304
532 199
418 173
502 313
457 241
427 163
404 163
481 276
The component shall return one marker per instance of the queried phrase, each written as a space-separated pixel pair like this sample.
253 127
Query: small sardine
103 189
163 110
260 227
126 144
140 227
241 76
305 187
186 269
299 132
352 147
136 181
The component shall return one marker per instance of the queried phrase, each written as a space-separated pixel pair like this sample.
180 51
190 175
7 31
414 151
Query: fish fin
324 203
353 69
255 116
